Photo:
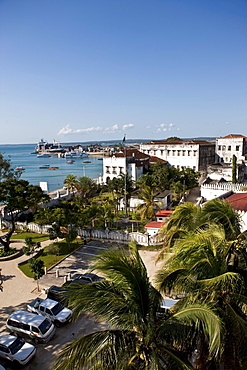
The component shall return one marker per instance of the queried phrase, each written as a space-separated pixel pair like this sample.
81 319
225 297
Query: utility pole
125 178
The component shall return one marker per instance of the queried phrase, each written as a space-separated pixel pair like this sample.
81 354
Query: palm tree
139 335
189 217
221 212
199 267
85 186
149 205
70 182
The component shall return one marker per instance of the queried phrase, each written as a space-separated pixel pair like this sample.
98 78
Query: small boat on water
70 162
43 155
86 161
53 168
20 169
100 159
45 166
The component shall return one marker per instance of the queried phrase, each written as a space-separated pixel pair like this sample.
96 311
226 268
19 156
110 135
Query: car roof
27 317
7 339
49 303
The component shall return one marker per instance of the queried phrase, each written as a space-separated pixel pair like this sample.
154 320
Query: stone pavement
17 288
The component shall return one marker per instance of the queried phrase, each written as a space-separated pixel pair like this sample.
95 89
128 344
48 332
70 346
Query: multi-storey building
182 154
130 161
230 145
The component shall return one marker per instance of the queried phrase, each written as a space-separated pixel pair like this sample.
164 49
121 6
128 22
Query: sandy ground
18 290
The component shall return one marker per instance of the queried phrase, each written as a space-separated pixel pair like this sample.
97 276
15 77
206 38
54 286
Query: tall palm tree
139 335
70 182
189 217
149 205
199 267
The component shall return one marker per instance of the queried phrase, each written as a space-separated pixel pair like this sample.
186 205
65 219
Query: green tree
201 267
18 196
85 187
6 170
70 182
37 267
139 334
234 169
149 205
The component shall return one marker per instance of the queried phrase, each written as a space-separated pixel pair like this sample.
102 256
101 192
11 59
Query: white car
16 349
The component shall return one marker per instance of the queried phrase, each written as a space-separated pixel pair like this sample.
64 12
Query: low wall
108 235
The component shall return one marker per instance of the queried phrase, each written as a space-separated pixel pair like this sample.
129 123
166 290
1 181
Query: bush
52 249
5 254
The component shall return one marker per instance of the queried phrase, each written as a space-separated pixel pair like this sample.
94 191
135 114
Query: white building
182 154
130 161
230 145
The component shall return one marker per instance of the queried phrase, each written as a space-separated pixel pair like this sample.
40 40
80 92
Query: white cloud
127 127
164 127
111 129
67 130
148 126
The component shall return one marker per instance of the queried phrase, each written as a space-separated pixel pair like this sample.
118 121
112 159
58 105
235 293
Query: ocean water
20 156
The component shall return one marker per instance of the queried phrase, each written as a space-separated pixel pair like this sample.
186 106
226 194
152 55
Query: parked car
56 293
16 349
30 325
53 310
86 278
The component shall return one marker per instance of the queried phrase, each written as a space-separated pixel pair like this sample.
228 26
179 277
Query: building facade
130 161
230 145
182 154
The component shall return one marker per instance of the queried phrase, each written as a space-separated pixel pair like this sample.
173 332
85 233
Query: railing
225 186
114 235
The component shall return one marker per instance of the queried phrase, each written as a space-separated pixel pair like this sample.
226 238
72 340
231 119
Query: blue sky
81 70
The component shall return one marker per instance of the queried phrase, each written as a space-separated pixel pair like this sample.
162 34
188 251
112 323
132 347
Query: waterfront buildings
130 161
182 154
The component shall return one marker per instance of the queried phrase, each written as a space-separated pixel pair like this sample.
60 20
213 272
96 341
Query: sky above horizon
84 70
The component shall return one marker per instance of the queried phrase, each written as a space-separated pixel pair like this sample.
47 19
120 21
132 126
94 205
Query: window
194 153
161 152
4 349
219 147
35 330
173 152
178 153
107 169
229 147
183 152
168 152
48 311
24 326
194 168
237 148
223 147
114 170
189 152
154 152
42 309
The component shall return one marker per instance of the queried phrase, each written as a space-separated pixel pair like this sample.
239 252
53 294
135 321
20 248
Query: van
29 325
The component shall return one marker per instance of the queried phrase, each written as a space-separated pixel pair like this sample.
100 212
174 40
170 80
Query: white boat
43 155
77 154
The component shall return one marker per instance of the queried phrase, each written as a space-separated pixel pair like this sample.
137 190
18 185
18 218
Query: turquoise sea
20 156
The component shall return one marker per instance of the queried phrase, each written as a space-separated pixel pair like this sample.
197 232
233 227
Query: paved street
19 290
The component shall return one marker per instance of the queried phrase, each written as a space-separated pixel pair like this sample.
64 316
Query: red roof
232 136
238 201
154 225
164 213
154 159
179 142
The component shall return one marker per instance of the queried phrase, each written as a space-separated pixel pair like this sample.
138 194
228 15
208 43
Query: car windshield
45 326
56 309
16 345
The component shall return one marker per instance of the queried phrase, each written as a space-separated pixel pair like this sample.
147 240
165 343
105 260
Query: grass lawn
51 259
35 236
